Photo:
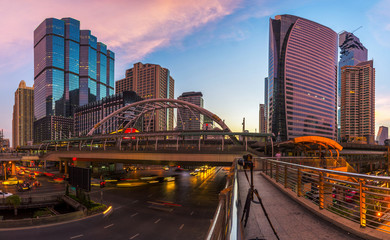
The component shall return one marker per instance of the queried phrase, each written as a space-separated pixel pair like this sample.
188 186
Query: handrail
225 223
360 198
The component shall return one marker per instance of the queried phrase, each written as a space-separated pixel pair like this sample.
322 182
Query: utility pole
243 125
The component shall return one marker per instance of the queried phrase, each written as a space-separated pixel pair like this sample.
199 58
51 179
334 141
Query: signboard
80 178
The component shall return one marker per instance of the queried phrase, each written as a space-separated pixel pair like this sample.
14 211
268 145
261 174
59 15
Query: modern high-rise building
186 118
23 116
70 69
383 134
301 78
352 53
262 117
358 102
150 81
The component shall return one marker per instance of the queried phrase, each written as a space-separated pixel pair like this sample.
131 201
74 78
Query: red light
74 159
178 166
207 124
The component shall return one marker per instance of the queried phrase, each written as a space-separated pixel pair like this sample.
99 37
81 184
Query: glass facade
302 78
67 68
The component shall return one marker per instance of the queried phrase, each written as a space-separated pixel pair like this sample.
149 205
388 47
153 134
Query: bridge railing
225 223
361 198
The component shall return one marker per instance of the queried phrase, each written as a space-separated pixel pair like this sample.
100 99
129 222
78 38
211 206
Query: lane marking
181 227
135 214
158 220
109 226
77 236
192 213
136 235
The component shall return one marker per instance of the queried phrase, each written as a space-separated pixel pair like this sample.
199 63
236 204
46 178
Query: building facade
301 78
352 53
262 117
23 116
187 119
150 81
70 69
87 116
383 134
358 103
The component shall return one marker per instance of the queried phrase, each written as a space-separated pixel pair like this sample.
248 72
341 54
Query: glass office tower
302 78
66 61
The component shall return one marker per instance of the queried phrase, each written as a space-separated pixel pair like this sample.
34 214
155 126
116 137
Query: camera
246 161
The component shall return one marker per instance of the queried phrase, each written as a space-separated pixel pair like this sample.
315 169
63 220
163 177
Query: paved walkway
290 220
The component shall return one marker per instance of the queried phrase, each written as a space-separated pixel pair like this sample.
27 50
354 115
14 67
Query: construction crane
356 29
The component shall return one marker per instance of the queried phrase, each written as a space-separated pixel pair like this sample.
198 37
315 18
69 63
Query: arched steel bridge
129 115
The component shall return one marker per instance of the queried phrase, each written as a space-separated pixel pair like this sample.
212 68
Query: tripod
249 199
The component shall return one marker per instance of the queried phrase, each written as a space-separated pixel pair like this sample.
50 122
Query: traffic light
102 184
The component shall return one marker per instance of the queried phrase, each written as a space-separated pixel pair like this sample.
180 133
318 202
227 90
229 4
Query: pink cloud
132 29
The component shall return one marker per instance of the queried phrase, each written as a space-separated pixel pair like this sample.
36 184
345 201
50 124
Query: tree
15 201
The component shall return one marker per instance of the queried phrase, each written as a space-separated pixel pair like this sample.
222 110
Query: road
180 209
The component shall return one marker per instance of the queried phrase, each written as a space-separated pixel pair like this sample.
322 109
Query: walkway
290 220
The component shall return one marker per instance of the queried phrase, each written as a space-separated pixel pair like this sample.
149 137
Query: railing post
271 170
363 209
285 175
277 172
299 183
155 147
321 191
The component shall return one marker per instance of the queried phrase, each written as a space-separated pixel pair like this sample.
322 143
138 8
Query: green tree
15 201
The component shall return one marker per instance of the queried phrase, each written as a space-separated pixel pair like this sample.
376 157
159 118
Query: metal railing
361 198
225 223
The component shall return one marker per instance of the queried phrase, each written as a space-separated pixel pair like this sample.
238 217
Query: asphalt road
180 209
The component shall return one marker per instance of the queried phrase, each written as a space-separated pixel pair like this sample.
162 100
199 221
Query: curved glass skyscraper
302 78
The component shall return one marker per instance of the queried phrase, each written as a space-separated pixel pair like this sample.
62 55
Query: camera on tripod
246 161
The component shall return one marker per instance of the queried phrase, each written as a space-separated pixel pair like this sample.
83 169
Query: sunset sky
218 47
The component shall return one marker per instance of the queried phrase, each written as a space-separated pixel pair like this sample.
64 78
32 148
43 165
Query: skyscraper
301 78
358 102
150 81
70 69
187 119
352 53
383 134
266 90
23 116
262 122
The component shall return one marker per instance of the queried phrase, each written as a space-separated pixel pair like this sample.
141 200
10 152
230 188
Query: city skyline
198 45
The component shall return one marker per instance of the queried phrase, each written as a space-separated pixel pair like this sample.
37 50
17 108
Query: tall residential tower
23 116
150 81
301 78
358 102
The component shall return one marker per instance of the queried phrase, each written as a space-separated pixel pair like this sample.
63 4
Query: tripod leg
265 213
247 207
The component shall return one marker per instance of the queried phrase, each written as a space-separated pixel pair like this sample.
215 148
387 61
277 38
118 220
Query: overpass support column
60 166
13 169
66 167
5 170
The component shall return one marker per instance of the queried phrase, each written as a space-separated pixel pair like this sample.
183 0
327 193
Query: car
4 194
12 181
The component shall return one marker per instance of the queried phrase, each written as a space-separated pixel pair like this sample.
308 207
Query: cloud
132 29
379 17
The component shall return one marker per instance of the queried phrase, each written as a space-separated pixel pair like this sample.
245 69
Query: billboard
80 178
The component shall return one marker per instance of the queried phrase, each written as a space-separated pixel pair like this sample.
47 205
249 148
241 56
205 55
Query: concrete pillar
66 167
60 167
5 170
13 169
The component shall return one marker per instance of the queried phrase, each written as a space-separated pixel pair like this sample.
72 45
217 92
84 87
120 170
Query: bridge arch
130 114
